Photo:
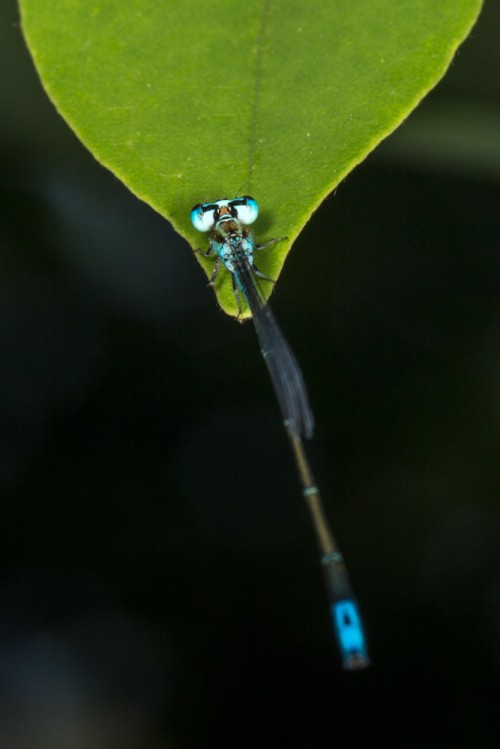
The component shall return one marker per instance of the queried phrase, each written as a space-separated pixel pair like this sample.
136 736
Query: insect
232 243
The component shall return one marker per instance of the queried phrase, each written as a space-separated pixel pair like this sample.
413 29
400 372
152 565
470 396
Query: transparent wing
282 365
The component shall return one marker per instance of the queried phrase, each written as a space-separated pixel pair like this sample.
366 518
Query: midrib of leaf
246 188
256 94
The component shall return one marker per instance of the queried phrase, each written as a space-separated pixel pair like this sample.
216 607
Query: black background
159 584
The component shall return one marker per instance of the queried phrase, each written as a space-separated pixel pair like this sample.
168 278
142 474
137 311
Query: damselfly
233 244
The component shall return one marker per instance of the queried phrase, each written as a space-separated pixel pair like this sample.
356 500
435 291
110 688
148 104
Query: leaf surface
192 101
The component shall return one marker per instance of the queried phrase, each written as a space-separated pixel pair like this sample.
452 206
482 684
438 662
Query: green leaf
189 100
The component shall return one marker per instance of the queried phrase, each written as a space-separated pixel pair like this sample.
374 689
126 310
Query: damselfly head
204 216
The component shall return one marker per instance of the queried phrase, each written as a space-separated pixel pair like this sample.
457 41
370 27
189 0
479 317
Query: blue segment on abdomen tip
349 629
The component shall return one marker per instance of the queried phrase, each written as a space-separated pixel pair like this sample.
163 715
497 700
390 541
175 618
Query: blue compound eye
203 216
247 210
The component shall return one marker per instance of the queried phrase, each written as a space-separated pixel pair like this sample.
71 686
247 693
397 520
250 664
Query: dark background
159 584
